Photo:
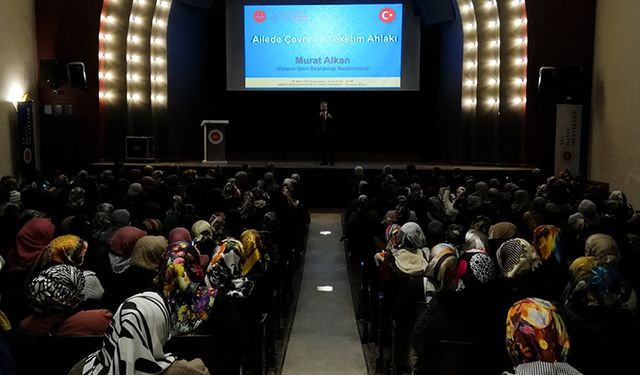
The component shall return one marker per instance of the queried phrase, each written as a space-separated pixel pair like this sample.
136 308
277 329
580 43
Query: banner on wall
568 129
26 138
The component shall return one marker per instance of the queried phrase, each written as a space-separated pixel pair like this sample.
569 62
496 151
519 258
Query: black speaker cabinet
140 148
77 75
49 72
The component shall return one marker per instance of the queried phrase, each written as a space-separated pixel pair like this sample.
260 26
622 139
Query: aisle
324 338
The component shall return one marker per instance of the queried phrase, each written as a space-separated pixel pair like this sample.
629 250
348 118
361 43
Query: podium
215 139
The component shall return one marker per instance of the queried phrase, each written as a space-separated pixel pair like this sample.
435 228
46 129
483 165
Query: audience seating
51 355
463 358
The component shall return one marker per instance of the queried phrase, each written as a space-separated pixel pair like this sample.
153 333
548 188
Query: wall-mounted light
15 94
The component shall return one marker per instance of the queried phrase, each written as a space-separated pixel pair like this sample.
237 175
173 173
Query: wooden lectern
215 139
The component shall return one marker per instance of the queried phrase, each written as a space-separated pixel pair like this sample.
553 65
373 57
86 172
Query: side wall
17 69
615 128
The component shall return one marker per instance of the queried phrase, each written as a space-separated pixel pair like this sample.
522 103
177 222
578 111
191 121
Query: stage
327 186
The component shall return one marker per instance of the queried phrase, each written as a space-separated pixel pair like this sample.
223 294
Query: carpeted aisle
324 338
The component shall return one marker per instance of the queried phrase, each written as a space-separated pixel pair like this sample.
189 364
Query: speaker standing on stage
326 127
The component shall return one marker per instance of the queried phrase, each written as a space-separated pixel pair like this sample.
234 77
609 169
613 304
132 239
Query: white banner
568 128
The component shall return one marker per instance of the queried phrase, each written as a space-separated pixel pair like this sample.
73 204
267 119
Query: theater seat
218 355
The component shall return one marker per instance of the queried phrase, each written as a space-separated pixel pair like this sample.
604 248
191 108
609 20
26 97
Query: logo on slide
386 15
259 16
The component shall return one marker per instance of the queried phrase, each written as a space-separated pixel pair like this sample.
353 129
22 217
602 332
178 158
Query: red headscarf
31 240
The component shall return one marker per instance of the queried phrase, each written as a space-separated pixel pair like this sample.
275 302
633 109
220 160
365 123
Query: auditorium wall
17 68
404 124
615 130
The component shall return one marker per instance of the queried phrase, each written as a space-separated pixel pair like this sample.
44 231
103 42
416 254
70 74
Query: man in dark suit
326 127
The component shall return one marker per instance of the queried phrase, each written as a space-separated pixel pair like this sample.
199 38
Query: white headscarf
134 340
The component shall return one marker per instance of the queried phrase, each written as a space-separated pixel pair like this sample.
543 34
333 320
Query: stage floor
314 164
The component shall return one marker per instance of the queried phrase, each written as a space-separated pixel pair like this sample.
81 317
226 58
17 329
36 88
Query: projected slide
323 46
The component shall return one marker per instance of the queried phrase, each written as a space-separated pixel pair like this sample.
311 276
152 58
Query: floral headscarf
181 280
536 332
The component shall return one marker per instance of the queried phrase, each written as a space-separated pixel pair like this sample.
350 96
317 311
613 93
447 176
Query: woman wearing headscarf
203 240
537 340
181 279
139 276
521 266
603 247
122 244
179 234
56 295
599 309
405 293
101 219
67 249
119 218
133 344
30 242
471 311
519 206
412 254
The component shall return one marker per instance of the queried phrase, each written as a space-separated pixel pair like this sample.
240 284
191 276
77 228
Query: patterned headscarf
230 250
181 280
475 239
391 234
475 268
66 249
134 340
442 263
593 285
147 253
201 229
536 332
224 270
153 227
107 208
581 268
516 257
547 240
58 288
31 240
77 196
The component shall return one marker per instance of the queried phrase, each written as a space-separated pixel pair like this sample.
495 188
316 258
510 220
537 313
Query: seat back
215 351
461 358
35 354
